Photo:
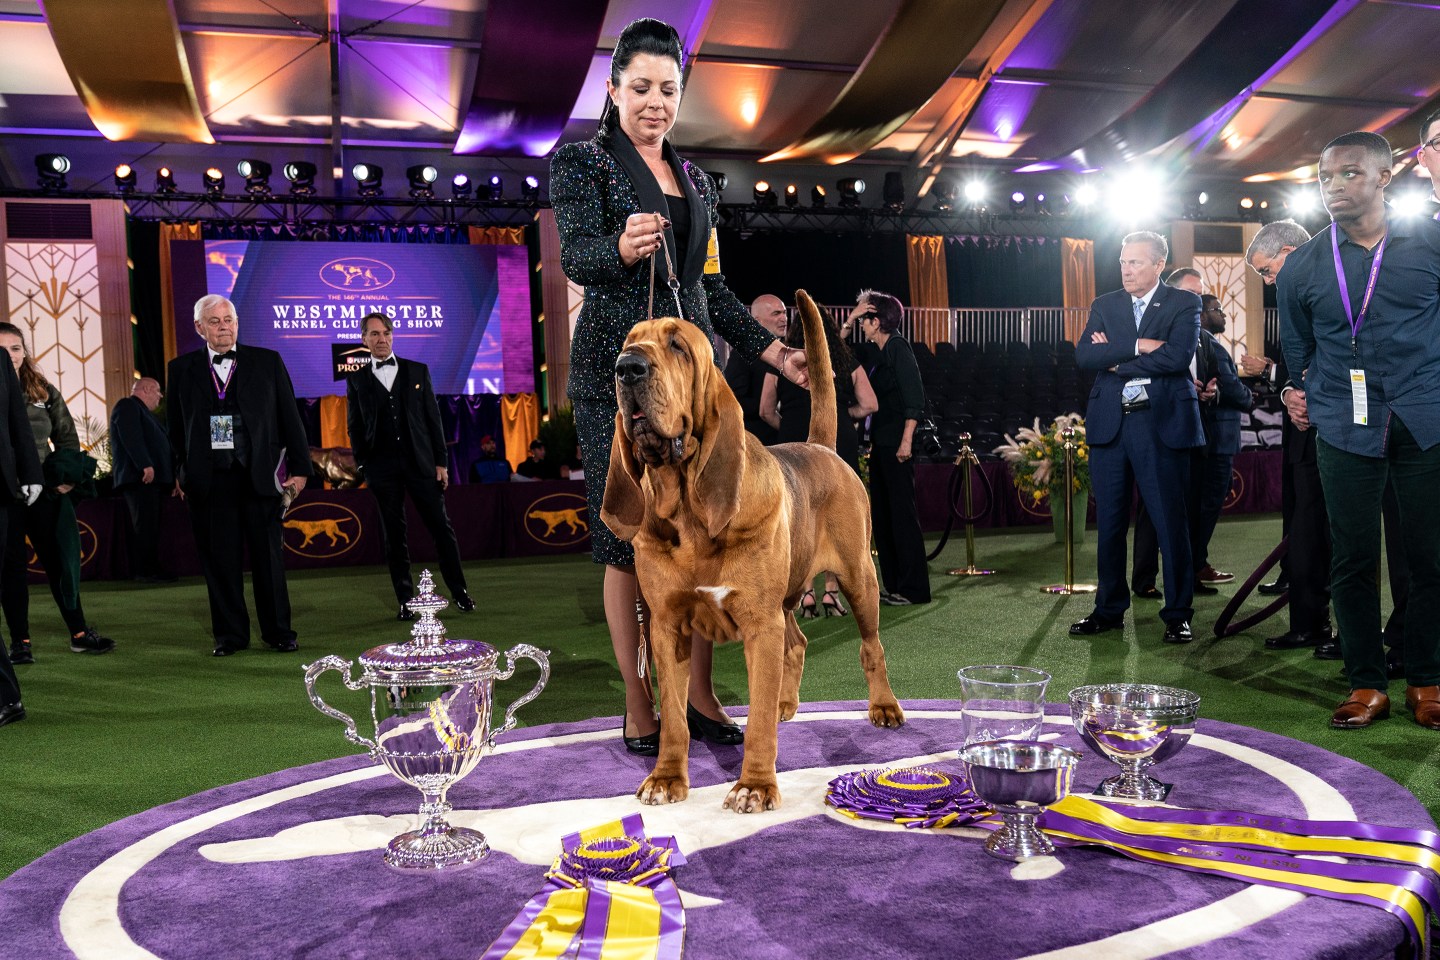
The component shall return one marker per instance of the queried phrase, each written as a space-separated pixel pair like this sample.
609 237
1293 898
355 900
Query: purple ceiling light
533 61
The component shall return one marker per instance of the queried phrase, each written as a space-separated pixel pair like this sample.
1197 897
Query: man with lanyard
1360 323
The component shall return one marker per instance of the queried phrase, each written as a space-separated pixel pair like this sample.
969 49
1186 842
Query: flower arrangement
1037 458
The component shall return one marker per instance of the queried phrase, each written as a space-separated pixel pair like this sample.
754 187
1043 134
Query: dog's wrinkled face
661 379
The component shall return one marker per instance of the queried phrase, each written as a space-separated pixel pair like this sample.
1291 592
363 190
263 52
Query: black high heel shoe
830 601
713 731
646 746
808 610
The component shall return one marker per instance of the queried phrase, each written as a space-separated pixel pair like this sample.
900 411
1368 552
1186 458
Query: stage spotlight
975 192
1411 203
1042 204
530 189
301 176
461 187
1086 194
164 181
817 196
850 189
1136 196
1060 204
721 180
944 192
214 182
256 174
421 177
52 168
1305 201
495 189
792 195
1245 209
125 178
1203 198
892 191
1017 202
368 179
765 197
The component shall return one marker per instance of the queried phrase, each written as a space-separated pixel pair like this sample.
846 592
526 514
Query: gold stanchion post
967 460
1067 434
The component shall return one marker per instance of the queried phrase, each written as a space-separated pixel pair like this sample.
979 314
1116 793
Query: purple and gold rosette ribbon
1399 874
610 888
912 796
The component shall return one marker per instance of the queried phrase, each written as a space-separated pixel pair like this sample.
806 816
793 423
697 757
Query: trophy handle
341 666
541 657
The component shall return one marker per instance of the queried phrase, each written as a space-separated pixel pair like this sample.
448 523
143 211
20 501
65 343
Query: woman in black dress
617 198
786 407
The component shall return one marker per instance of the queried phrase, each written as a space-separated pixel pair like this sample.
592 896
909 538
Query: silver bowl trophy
1134 725
1019 778
430 703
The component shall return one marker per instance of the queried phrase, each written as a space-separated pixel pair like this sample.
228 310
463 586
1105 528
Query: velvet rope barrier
1223 627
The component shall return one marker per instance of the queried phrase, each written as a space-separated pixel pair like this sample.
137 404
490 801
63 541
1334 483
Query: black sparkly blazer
594 188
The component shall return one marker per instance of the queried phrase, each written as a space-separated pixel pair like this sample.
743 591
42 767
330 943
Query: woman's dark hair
647 35
32 381
888 312
841 357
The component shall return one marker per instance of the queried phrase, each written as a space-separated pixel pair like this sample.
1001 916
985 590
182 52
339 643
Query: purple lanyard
1356 321
220 388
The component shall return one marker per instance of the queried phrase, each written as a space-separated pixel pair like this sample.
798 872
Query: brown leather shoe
1424 702
1364 707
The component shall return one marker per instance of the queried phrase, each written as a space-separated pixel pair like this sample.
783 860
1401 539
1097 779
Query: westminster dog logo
321 530
558 519
357 273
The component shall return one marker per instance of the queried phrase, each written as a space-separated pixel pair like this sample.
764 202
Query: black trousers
1210 476
226 519
390 485
1308 555
39 524
9 684
143 502
896 520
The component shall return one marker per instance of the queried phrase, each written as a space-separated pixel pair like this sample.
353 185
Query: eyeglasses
1266 272
1433 143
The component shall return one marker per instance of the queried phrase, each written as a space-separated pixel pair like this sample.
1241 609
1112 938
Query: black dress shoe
1178 632
1294 640
1094 624
646 746
284 646
405 613
11 713
1328 650
1205 590
713 731
1275 587
464 603
1149 593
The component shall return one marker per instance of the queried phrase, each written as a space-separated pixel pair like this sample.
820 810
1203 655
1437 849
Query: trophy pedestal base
444 850
1065 589
1127 786
968 572
1019 840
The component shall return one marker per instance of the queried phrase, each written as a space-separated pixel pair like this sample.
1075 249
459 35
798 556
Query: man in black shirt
535 468
747 379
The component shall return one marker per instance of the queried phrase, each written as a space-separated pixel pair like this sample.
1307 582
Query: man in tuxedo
20 479
398 441
141 468
1142 421
747 379
234 427
1366 344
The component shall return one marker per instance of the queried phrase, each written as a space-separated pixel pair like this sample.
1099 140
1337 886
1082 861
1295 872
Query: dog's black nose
631 368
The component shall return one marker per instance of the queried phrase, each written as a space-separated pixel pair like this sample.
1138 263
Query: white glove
32 493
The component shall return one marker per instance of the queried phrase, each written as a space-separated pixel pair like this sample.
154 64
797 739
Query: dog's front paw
752 798
657 790
886 714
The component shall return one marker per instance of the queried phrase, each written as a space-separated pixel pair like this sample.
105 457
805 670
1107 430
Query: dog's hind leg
862 589
795 642
669 781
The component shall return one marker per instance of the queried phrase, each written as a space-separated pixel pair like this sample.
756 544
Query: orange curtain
929 287
168 232
1077 270
519 424
334 427
504 236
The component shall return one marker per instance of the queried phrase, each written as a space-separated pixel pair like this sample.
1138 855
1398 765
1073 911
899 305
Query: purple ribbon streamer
1356 321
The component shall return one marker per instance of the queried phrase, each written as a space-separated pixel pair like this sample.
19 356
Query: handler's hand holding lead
644 232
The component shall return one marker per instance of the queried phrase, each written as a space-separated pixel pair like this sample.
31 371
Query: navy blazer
1173 316
137 441
365 393
267 404
1221 416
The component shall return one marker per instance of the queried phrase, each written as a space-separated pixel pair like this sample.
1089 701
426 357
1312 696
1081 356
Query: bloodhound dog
728 534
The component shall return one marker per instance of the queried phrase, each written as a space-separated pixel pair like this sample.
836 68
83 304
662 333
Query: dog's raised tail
822 375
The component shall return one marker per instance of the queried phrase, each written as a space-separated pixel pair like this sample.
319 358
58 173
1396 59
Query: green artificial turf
160 719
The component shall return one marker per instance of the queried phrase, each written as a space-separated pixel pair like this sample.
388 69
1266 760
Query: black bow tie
385 363
222 357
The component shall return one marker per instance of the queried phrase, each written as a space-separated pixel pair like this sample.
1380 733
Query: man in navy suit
398 440
1141 423
1222 399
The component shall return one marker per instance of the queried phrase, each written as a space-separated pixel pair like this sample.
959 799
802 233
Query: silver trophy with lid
430 705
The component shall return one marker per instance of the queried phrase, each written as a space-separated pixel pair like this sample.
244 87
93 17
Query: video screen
462 309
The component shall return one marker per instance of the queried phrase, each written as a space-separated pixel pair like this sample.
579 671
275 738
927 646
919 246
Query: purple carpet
202 877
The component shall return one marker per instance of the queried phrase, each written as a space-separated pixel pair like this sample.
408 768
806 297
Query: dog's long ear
719 467
623 509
